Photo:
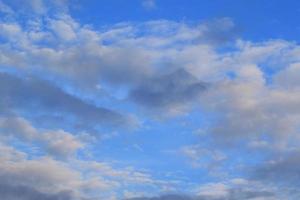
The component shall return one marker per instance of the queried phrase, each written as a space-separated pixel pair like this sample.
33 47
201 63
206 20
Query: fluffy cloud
44 175
47 178
288 78
58 143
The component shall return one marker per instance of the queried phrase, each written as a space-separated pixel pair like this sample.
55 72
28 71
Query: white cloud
65 29
201 157
58 143
215 190
79 177
10 30
288 78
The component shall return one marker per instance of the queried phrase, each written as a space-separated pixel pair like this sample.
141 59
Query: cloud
5 8
126 57
250 107
149 4
288 78
234 195
12 192
63 29
200 157
218 32
25 95
58 142
250 91
171 92
282 168
37 7
235 190
45 175
76 178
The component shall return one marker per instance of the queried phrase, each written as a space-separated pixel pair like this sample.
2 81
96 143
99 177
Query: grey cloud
232 195
89 63
19 192
170 91
83 178
240 194
165 197
283 169
132 60
31 94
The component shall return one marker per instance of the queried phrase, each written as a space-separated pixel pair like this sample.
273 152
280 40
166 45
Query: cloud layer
65 84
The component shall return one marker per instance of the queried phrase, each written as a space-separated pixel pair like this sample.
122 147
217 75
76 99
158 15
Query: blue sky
149 100
257 20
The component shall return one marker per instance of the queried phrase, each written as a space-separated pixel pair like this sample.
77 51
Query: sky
149 100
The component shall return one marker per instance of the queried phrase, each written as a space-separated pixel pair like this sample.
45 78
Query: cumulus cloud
58 142
288 78
45 175
48 178
63 29
248 105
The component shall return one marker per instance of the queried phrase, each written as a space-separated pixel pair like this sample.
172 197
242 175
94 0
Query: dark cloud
232 194
283 169
165 197
40 98
244 194
240 194
168 91
15 192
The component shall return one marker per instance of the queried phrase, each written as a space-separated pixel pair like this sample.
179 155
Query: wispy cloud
149 4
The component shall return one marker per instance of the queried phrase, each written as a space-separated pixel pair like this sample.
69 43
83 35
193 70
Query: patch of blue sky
258 19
